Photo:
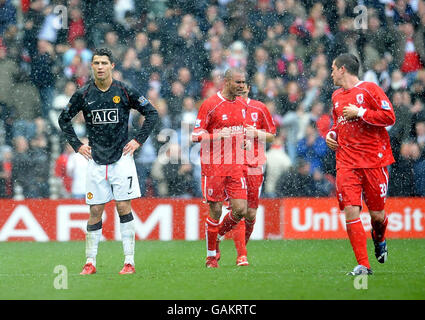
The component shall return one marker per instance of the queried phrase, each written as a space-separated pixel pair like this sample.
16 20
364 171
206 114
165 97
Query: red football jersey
363 142
224 157
259 116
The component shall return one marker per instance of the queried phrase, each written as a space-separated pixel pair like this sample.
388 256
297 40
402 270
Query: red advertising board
172 219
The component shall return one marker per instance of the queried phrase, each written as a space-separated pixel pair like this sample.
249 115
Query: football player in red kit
260 129
220 128
361 111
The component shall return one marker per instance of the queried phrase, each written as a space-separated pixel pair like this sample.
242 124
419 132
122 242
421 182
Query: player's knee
251 213
123 207
239 210
96 212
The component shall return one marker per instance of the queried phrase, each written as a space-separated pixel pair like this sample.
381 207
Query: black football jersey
106 114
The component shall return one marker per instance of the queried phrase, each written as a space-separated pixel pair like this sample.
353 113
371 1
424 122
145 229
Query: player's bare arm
263 135
351 111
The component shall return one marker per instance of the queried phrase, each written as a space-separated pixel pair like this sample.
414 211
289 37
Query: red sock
357 237
249 227
211 230
239 238
379 229
227 224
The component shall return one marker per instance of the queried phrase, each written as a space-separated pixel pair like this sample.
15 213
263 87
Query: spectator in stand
131 68
418 158
296 182
60 171
402 182
411 62
21 171
76 27
60 102
277 163
42 75
6 172
112 43
312 148
76 169
78 48
7 15
400 131
191 87
420 134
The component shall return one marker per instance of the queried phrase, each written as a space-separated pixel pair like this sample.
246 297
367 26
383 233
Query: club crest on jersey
116 99
197 123
360 98
254 116
224 117
385 105
89 195
143 101
104 116
243 113
210 192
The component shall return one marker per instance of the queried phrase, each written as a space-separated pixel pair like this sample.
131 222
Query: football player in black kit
111 173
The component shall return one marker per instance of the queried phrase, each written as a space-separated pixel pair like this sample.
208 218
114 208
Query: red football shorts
354 185
254 183
218 189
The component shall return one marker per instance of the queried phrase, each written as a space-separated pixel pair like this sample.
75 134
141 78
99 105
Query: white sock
128 241
92 242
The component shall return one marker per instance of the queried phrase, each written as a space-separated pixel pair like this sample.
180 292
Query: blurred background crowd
175 52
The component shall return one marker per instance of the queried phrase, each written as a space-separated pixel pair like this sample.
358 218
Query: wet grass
279 270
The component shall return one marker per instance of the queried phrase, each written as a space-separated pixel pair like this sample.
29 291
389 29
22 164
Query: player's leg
254 190
98 193
213 193
125 186
211 233
349 193
93 235
356 234
236 191
128 234
375 190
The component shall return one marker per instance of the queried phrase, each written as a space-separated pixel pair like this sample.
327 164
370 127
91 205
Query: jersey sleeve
268 123
201 123
74 106
138 102
380 111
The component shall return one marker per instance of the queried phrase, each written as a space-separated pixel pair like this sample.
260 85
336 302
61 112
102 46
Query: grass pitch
175 270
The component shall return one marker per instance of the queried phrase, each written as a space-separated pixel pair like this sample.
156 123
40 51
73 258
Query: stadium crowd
175 52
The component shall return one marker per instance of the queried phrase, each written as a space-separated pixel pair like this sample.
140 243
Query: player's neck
227 95
103 85
350 82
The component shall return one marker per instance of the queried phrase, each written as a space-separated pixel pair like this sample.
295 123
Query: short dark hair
349 61
103 52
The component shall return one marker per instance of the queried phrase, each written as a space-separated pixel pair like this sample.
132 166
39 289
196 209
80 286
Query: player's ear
112 65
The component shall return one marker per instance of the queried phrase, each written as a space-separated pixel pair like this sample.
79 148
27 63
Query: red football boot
211 262
128 269
242 261
89 268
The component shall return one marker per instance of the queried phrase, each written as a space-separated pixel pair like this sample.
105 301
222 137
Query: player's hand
85 151
130 147
331 140
350 112
251 131
225 133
